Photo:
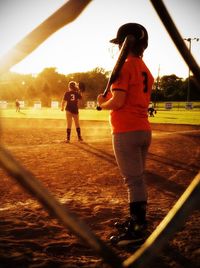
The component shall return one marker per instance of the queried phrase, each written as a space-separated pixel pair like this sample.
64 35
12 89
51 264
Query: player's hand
100 99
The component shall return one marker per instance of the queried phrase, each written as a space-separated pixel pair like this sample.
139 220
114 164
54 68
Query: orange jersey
136 80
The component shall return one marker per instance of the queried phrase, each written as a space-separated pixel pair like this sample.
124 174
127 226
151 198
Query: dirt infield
85 178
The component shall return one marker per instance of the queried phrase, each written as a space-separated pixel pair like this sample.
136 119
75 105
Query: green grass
191 117
47 113
188 117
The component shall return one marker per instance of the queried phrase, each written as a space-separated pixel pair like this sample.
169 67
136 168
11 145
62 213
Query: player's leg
77 124
130 155
69 125
130 151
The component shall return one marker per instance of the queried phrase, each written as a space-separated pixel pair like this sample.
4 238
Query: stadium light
190 47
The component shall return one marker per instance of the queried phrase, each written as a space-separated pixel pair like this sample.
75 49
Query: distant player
17 105
151 110
70 104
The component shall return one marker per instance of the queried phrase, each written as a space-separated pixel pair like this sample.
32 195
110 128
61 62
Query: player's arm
63 103
80 96
115 102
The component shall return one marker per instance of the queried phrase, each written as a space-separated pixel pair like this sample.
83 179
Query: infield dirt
84 177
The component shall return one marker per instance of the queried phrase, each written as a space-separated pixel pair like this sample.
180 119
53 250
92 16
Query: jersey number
145 82
72 97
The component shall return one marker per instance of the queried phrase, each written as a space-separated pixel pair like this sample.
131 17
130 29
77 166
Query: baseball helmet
135 29
72 84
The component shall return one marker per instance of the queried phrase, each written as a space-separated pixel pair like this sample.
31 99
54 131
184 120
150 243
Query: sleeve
123 79
65 97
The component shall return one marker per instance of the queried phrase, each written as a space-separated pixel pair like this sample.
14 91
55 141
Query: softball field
84 177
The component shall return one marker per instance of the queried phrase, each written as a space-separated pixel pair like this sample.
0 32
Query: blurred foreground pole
63 16
66 14
175 219
30 183
190 49
177 39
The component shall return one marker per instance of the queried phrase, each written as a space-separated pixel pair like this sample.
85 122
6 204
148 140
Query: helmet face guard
138 31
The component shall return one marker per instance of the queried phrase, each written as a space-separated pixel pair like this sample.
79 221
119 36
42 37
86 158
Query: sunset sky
84 44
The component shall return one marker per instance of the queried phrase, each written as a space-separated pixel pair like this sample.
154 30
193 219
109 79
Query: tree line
50 85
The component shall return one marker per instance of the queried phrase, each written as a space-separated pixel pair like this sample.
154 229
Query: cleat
67 141
128 238
129 223
130 233
122 225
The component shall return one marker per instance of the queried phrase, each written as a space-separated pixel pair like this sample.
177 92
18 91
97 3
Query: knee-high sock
68 133
138 211
78 130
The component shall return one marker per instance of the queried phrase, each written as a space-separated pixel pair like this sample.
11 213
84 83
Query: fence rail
174 220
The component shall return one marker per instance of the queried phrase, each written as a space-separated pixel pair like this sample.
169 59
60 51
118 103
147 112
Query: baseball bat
118 65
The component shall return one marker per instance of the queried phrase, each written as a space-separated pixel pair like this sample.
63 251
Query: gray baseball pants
130 149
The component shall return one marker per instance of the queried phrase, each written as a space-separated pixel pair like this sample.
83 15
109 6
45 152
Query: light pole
157 86
190 46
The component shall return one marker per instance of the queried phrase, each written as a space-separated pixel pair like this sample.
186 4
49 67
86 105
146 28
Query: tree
172 87
50 85
45 95
53 82
31 93
13 85
95 82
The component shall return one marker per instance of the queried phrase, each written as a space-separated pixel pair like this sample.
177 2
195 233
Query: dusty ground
85 178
